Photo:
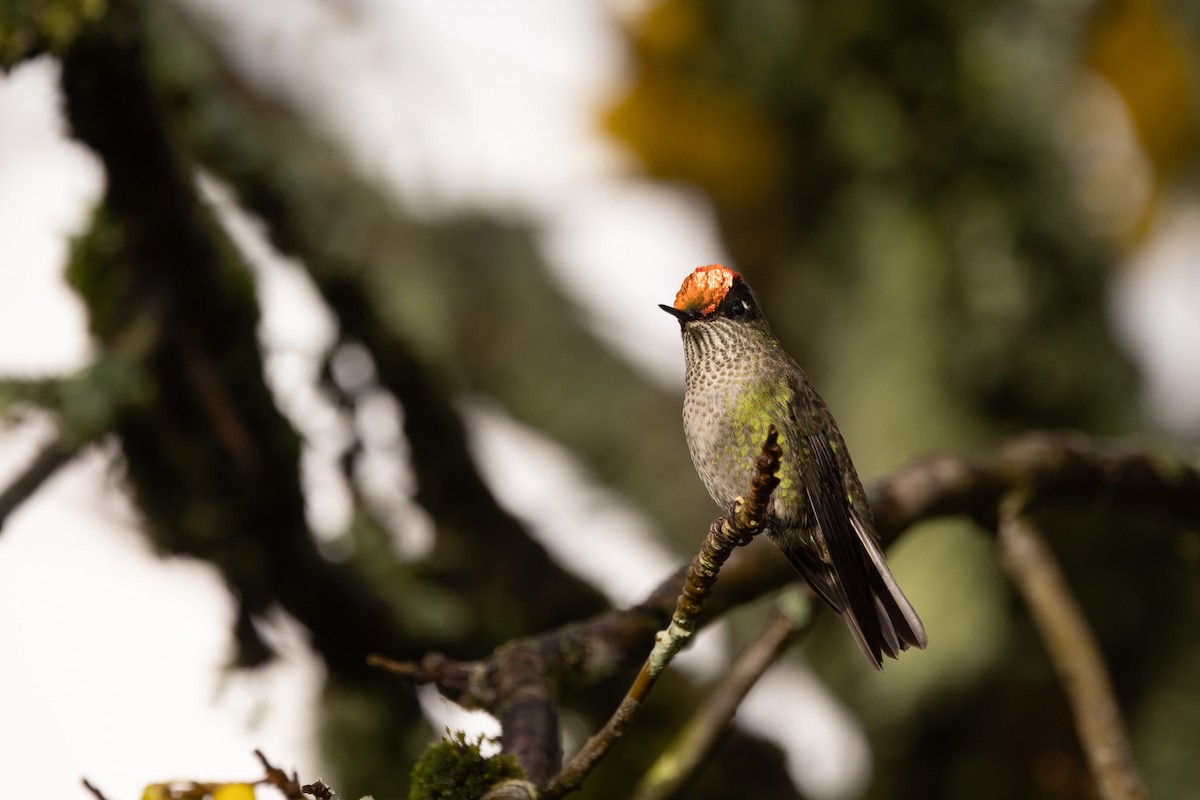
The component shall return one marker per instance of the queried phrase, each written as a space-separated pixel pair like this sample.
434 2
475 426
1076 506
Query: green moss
455 769
91 272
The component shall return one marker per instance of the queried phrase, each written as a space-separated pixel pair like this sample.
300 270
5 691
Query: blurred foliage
1140 48
28 27
907 188
921 195
467 297
199 791
918 191
214 464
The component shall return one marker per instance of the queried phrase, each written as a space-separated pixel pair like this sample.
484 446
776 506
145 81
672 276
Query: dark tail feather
896 614
818 575
856 581
888 625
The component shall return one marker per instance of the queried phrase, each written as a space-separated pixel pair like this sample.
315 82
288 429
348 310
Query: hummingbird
739 381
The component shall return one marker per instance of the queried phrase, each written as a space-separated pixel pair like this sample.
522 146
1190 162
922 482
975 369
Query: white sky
113 666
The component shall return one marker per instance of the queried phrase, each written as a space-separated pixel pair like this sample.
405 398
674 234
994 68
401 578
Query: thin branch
44 465
1135 472
288 785
99 795
1073 649
676 765
738 527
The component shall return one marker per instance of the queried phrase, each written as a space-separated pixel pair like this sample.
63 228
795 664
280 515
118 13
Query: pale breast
708 424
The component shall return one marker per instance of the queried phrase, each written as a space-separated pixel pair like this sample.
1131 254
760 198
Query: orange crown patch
704 289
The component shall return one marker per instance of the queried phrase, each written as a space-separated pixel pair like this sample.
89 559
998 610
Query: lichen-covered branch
680 761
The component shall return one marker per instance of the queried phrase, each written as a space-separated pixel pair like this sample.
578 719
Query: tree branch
1077 658
679 762
234 497
37 472
1068 466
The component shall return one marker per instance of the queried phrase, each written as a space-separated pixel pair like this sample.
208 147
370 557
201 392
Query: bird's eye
738 308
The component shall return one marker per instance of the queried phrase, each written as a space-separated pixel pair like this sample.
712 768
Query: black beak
682 316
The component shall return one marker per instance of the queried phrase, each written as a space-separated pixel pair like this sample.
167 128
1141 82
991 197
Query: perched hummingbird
739 382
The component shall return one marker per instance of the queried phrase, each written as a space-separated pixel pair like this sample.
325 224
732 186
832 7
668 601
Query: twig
44 465
679 762
744 520
288 785
1073 649
96 792
407 670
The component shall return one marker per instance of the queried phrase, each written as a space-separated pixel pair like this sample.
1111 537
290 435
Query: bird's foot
736 514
